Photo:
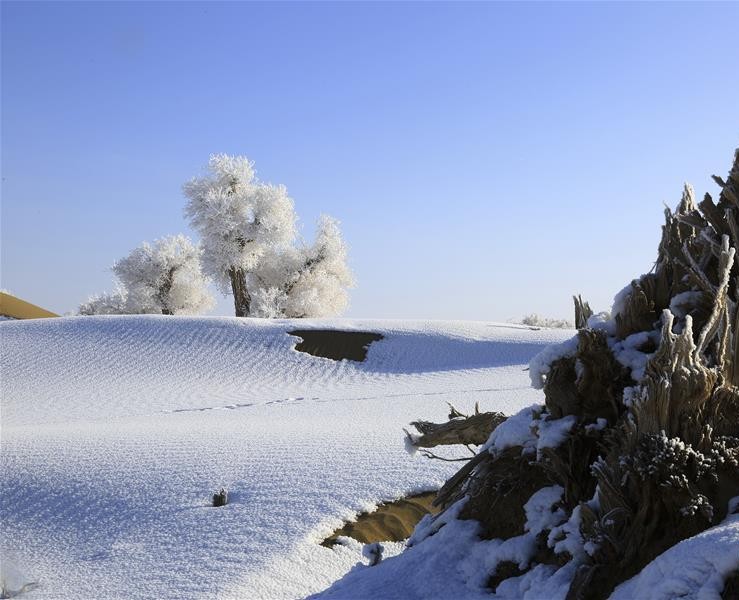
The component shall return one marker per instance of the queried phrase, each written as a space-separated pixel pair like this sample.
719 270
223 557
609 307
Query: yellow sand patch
10 306
391 522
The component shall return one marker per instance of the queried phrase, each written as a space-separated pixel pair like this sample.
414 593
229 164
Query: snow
620 299
680 304
628 354
530 429
543 581
541 363
517 430
567 537
427 571
694 568
538 509
552 433
117 430
599 425
447 559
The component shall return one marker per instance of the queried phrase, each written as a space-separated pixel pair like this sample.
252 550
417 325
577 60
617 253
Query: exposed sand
13 307
335 344
391 522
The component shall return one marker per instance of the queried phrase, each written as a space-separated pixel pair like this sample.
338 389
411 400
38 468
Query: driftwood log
472 430
653 455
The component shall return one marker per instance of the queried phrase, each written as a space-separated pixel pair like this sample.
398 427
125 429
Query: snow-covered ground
117 430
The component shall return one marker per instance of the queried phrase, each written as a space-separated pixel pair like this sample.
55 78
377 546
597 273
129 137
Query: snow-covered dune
116 431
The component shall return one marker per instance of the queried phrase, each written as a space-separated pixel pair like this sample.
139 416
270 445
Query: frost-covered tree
310 281
239 219
105 304
164 277
160 278
534 320
248 230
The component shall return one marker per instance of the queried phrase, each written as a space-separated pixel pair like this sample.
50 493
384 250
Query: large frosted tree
248 231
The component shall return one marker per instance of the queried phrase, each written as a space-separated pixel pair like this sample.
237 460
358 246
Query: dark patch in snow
334 344
731 587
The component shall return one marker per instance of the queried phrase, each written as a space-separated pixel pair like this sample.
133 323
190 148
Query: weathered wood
582 312
474 430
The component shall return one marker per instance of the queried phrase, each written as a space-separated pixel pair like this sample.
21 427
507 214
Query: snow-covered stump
640 426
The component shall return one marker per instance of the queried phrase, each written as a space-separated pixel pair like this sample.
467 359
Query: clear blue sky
486 160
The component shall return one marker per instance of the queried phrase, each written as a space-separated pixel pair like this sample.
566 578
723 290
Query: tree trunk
242 299
163 294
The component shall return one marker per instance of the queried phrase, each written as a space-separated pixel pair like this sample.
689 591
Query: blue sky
486 160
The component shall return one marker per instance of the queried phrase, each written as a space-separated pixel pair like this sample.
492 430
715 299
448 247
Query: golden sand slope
10 306
391 522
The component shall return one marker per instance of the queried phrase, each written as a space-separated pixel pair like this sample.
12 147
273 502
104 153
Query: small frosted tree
248 229
160 278
105 304
310 281
164 277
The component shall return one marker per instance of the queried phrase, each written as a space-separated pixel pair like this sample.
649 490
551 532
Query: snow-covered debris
530 429
602 321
